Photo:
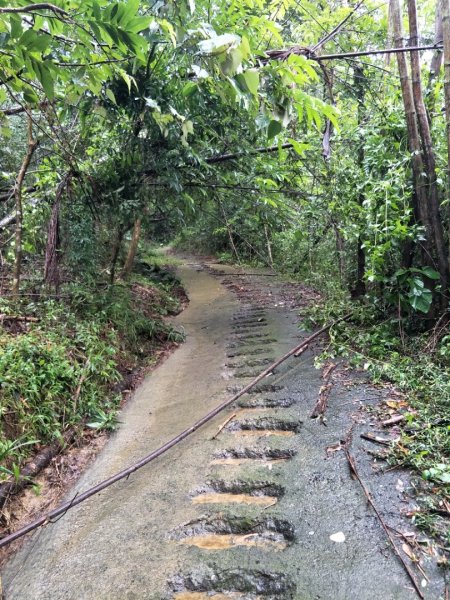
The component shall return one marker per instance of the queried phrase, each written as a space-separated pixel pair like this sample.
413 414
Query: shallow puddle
253 410
218 596
263 432
223 542
260 462
221 498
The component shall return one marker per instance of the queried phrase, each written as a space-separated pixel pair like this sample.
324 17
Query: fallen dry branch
324 393
125 473
371 437
18 318
354 471
33 468
322 403
224 424
393 421
300 352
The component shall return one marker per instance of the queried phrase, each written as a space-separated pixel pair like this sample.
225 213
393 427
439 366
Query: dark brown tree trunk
129 262
18 251
52 250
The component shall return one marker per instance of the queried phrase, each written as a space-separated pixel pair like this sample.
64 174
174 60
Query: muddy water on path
146 539
114 545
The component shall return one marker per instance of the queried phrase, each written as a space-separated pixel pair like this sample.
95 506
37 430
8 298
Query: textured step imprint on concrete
257 417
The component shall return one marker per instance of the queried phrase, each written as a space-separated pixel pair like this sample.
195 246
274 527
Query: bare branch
33 7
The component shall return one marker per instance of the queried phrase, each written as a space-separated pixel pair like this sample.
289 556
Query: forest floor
265 507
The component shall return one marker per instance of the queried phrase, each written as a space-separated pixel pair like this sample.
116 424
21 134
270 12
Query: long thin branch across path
284 53
66 506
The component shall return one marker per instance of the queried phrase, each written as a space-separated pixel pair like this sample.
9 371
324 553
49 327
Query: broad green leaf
16 26
187 127
110 95
430 273
232 62
298 147
249 81
274 129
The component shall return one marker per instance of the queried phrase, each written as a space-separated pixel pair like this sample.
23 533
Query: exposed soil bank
144 538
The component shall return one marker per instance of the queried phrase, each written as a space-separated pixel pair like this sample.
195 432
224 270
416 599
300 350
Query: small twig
224 424
393 421
300 352
271 504
322 403
328 370
354 471
371 437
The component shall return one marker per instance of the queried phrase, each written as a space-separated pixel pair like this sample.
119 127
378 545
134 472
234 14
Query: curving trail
243 511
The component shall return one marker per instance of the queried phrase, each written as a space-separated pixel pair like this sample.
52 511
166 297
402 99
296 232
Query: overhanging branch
33 7
285 53
231 156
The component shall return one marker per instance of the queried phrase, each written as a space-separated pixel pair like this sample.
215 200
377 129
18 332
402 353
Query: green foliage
59 372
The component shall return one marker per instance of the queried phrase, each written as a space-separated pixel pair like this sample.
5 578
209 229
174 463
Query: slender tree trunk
51 265
429 157
269 244
360 285
446 38
419 179
115 252
436 61
32 145
129 262
340 251
230 232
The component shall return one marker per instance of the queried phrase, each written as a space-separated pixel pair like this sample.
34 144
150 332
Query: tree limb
33 7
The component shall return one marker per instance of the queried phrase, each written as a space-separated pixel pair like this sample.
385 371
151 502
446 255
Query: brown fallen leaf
409 552
334 448
392 403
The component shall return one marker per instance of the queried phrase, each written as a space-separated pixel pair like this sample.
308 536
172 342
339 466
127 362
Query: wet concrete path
246 515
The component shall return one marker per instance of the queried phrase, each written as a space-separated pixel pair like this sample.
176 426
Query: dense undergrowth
63 370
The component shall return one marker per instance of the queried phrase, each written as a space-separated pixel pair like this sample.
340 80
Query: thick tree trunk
32 145
129 262
429 158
